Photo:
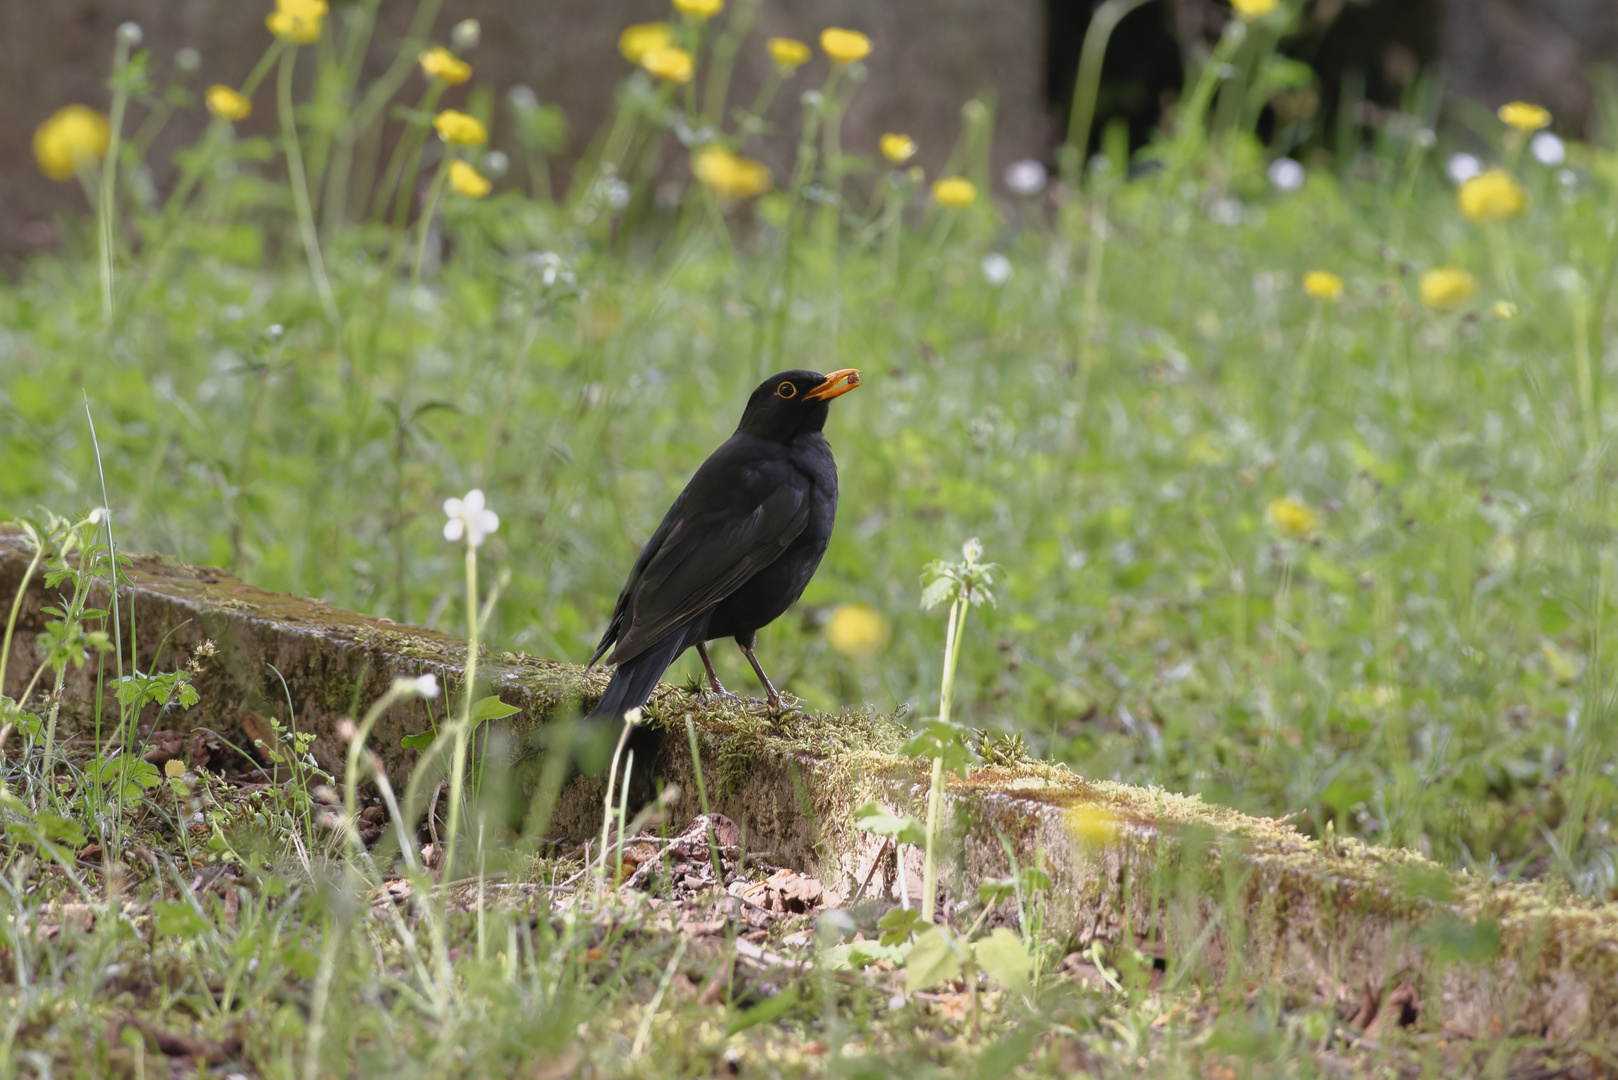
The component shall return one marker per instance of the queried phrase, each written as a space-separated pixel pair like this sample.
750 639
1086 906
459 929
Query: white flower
1547 149
495 164
1286 174
426 686
100 514
522 98
1567 178
129 33
1026 177
465 35
1227 211
996 268
551 268
1462 167
469 517
615 192
188 59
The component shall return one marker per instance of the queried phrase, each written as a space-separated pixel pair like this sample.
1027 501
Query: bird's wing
738 522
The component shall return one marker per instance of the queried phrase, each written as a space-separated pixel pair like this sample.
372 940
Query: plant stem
107 209
463 727
935 790
300 187
433 195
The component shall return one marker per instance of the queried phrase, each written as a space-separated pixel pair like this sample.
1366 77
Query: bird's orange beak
836 384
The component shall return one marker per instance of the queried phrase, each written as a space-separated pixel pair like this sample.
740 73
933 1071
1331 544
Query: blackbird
737 547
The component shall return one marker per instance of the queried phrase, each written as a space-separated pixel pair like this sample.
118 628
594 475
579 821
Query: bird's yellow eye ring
786 390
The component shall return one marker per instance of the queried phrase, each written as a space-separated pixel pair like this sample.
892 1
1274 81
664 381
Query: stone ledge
1322 919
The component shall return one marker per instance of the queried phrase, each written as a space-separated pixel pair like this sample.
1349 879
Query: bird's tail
634 680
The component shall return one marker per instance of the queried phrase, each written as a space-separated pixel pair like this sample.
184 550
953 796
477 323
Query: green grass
1426 668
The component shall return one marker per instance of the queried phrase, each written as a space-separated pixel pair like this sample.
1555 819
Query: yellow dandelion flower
954 192
670 63
844 46
858 630
1093 826
1322 285
1504 309
1446 288
173 768
728 175
467 180
789 54
1493 196
638 40
74 137
441 64
1293 517
225 103
1248 10
297 21
459 129
1524 116
898 148
699 9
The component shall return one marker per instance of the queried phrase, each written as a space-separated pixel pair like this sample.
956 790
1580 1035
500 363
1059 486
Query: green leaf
875 818
1002 957
491 708
933 959
1005 1055
897 924
994 890
179 919
64 830
421 741
764 1012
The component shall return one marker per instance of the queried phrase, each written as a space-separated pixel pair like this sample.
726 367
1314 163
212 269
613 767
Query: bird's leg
758 669
713 679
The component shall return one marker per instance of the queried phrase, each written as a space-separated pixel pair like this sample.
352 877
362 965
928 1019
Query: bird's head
794 403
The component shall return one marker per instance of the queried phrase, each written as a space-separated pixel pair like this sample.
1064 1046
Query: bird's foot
720 696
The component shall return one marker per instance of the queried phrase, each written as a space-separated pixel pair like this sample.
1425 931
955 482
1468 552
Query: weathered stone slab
1253 899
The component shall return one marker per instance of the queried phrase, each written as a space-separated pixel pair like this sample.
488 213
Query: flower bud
129 35
465 35
188 60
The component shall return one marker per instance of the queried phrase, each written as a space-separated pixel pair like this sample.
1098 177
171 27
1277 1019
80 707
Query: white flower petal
427 686
489 521
1548 149
454 529
1463 167
452 507
474 501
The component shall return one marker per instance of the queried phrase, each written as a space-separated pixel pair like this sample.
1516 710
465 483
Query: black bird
737 547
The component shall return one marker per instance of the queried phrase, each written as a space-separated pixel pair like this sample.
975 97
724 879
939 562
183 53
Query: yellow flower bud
467 180
730 176
225 103
441 64
670 63
74 138
1504 310
1248 10
1293 517
844 46
699 9
1525 117
858 630
954 192
789 54
1493 196
638 40
297 21
460 129
898 148
1446 288
1322 285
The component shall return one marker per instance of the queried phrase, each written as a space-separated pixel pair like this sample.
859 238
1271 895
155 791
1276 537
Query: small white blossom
1462 167
188 59
426 686
129 34
1286 174
1547 149
1026 177
522 98
465 35
615 192
495 164
100 514
1567 178
1227 211
551 268
996 268
469 517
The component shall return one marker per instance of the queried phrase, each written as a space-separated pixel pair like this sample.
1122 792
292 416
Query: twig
871 873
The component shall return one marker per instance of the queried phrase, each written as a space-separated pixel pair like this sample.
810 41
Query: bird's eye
786 390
